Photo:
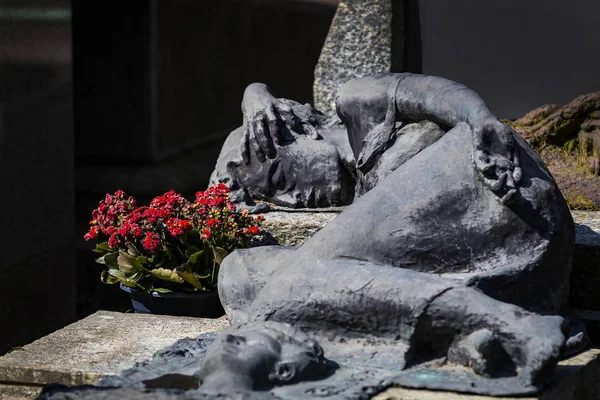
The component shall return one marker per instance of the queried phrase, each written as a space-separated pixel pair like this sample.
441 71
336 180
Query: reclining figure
457 243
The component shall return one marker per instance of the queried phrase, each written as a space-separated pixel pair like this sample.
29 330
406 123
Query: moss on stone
577 201
571 145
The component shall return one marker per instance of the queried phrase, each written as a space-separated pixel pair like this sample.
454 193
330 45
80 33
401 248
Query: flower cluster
187 239
219 220
108 217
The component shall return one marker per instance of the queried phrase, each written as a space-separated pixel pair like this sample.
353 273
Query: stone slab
292 228
107 342
579 380
102 344
19 392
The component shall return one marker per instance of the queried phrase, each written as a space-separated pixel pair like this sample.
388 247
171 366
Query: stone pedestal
102 344
106 343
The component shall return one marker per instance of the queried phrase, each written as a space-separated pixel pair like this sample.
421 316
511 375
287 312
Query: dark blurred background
139 95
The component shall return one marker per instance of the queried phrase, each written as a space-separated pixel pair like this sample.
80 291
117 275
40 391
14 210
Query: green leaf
127 263
183 268
166 275
195 258
191 279
191 250
132 250
206 272
110 260
162 290
102 248
124 279
107 278
219 254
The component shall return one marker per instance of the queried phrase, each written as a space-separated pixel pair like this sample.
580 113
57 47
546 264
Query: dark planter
197 304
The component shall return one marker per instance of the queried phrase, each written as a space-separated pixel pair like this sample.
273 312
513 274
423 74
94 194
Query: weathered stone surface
295 227
359 43
580 381
102 344
568 139
19 392
291 228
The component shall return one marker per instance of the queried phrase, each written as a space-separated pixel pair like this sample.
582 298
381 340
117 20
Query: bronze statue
448 268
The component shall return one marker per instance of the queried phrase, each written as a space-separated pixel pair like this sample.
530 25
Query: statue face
255 353
251 353
305 173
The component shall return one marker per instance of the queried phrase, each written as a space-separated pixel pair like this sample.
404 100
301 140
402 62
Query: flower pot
194 304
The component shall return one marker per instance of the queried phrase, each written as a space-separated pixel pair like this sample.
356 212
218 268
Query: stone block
291 228
102 344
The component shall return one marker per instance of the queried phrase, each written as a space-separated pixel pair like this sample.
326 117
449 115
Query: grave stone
365 38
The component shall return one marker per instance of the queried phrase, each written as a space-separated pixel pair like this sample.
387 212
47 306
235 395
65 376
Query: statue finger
509 196
244 144
495 184
517 172
286 113
262 136
499 183
510 181
273 125
254 142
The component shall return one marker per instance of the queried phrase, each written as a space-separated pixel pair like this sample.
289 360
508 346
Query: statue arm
370 106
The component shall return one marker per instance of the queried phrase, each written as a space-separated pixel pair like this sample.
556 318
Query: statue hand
496 158
264 117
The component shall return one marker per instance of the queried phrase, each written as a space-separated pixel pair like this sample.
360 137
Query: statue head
308 170
260 355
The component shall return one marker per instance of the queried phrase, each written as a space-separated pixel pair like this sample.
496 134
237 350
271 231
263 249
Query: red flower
113 241
178 227
211 222
109 230
253 230
136 230
92 234
151 242
206 234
